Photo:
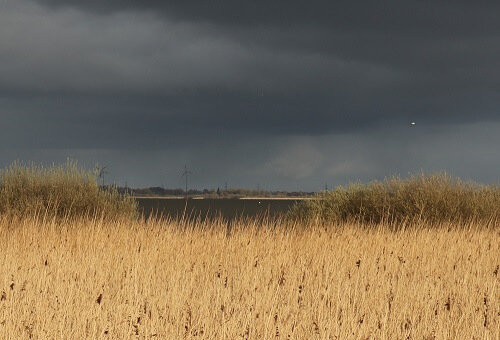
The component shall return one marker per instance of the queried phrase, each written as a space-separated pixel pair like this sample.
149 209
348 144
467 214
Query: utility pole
186 172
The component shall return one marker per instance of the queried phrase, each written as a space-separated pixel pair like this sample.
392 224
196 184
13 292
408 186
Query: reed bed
64 191
421 198
252 279
403 259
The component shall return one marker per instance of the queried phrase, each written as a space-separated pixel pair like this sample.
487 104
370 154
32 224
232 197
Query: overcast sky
284 95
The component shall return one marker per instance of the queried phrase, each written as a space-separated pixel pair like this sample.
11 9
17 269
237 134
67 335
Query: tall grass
93 274
92 279
433 198
61 191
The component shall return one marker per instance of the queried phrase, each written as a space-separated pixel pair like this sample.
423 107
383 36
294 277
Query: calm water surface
203 208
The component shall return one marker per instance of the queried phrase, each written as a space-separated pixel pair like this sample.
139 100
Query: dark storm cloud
279 90
388 14
345 64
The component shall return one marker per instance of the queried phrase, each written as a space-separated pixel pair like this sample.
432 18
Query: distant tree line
211 193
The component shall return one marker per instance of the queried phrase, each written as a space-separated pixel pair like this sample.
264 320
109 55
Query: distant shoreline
275 198
229 198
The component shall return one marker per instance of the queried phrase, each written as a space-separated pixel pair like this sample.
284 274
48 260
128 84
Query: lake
210 208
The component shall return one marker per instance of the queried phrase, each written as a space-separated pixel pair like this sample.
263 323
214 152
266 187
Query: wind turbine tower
101 174
186 172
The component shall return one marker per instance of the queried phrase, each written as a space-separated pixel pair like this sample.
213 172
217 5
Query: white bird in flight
412 123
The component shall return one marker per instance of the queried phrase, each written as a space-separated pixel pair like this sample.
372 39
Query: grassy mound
431 198
60 190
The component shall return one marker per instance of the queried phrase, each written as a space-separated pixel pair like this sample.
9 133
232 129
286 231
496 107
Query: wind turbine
186 172
101 174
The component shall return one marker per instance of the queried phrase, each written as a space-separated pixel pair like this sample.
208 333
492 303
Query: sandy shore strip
242 198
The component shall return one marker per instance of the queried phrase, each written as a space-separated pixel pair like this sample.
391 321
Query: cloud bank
286 95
